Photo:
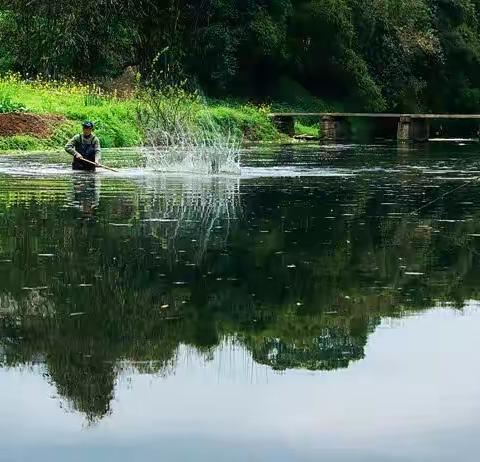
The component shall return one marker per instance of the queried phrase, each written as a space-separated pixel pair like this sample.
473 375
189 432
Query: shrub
7 105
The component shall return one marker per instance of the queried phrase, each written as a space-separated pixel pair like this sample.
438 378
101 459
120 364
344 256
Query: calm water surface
297 312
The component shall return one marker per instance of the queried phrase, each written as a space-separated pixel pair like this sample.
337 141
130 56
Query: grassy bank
116 119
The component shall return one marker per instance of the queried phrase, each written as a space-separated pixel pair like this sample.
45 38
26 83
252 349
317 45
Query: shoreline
42 115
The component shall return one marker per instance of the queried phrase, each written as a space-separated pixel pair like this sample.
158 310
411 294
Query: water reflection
86 193
187 212
298 271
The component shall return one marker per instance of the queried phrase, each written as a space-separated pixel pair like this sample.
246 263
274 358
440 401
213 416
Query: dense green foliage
359 54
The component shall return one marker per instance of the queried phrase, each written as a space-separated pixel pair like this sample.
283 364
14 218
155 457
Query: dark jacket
89 148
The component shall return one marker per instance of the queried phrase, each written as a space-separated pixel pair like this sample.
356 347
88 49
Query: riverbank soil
24 123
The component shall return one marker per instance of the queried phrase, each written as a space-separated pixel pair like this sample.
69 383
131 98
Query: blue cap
87 124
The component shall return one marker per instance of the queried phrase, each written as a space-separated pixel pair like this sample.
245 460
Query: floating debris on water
159 220
450 221
79 313
126 225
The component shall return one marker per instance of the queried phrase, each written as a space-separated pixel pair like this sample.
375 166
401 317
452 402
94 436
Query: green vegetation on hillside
116 119
361 54
372 55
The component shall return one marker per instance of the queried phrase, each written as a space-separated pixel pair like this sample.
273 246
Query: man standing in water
84 146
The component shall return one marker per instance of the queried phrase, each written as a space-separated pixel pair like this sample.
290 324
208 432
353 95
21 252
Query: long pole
445 195
98 165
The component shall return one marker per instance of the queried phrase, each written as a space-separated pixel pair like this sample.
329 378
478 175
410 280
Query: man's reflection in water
86 194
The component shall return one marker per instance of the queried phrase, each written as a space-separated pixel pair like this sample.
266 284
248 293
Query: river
298 312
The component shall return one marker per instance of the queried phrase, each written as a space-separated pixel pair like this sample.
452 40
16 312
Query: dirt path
24 123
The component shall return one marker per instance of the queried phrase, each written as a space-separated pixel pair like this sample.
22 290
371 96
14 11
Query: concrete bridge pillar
285 124
413 129
334 128
403 130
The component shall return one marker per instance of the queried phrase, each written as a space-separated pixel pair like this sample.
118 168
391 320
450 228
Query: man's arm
70 147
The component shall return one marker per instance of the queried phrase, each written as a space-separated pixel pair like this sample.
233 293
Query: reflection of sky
415 397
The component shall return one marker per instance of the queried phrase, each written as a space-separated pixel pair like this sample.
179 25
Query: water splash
182 135
208 149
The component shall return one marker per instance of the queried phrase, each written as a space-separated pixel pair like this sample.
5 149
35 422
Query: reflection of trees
87 381
314 342
296 293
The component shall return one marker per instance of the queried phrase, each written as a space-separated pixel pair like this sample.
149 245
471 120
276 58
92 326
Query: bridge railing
410 126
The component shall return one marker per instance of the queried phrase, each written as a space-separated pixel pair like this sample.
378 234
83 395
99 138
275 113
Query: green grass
307 129
116 119
32 143
249 121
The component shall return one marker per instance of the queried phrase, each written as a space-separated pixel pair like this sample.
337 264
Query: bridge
334 125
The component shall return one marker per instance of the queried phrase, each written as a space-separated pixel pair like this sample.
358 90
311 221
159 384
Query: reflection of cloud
354 414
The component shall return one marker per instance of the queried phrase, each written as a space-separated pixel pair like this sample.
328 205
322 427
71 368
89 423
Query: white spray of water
209 150
182 136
